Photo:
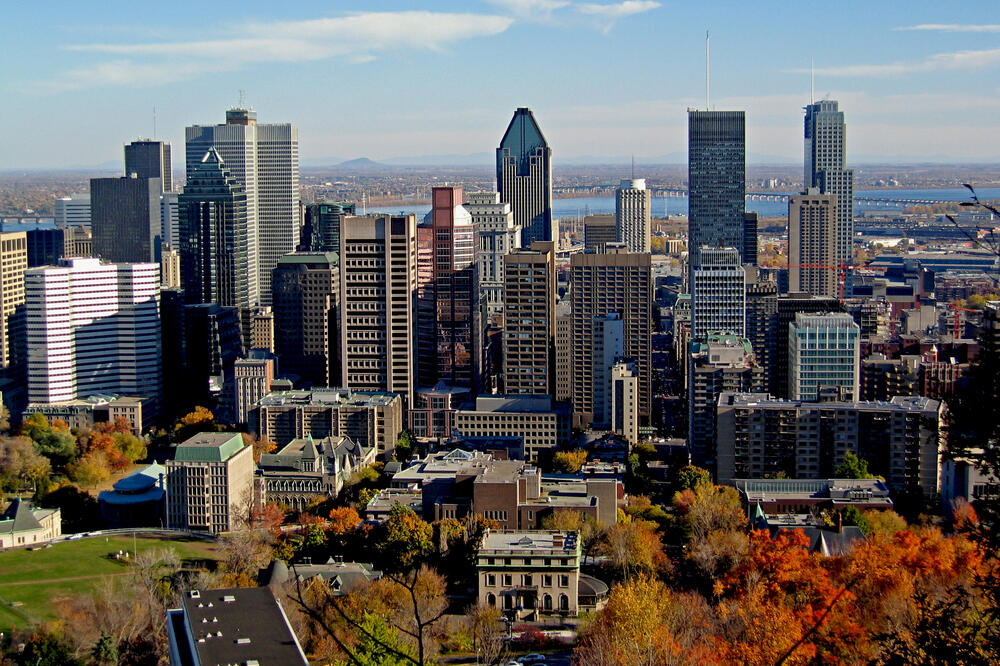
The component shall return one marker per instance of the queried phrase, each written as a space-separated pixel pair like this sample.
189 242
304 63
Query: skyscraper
448 320
530 320
824 352
73 210
632 210
305 296
812 243
609 349
13 263
524 177
321 232
93 328
826 168
264 161
150 159
498 235
716 180
125 219
615 281
718 293
218 248
378 270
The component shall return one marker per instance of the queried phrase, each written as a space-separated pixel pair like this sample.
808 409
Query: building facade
718 293
812 243
125 219
598 231
530 320
632 215
524 177
210 478
13 263
826 168
529 573
498 235
824 357
716 180
147 158
541 423
304 301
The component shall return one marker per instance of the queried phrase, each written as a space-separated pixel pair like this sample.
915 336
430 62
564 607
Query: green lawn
32 583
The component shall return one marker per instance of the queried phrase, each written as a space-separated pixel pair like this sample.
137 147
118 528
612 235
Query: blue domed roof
142 480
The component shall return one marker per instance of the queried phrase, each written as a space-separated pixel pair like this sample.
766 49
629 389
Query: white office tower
170 232
498 235
609 348
625 400
73 210
824 357
264 160
632 225
93 328
718 293
826 168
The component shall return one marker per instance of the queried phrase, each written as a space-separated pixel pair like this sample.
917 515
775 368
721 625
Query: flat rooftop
209 447
531 541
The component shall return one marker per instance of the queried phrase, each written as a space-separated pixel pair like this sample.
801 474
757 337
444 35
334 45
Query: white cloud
530 9
618 9
937 62
357 37
950 27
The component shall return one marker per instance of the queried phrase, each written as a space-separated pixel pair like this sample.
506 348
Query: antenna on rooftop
243 94
633 166
708 99
812 82
154 122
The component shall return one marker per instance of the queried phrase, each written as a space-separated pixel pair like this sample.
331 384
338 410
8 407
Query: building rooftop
209 447
328 396
513 403
907 403
549 542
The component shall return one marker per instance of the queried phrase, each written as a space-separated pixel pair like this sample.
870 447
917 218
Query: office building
170 268
83 413
252 378
264 162
542 423
718 364
73 211
210 476
218 247
202 343
564 352
749 239
716 181
623 405
598 231
13 263
93 328
824 352
321 231
262 328
45 246
632 215
718 293
305 297
616 281
125 220
812 243
761 322
77 242
448 318
524 177
530 320
788 306
498 235
378 281
764 437
609 348
826 168
372 420
150 159
170 224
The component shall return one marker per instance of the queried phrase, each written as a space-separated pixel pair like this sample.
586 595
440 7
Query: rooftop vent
229 599
195 594
243 641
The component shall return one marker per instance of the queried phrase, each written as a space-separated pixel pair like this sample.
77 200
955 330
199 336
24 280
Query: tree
46 648
90 470
54 441
633 547
198 420
712 520
852 467
20 463
379 645
242 556
105 651
488 632
590 531
260 444
403 540
569 462
343 521
404 447
690 477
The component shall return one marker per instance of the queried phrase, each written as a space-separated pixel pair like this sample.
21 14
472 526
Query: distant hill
361 163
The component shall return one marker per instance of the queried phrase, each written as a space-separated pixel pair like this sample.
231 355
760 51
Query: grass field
33 583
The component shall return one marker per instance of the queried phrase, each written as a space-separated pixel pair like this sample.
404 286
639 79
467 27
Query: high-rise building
262 329
252 377
615 281
448 318
750 238
378 283
13 263
564 352
761 323
624 409
826 168
788 306
498 235
218 249
718 293
305 297
93 328
716 181
632 215
530 320
170 267
150 159
211 339
170 229
812 243
719 363
73 210
524 177
598 231
321 231
210 476
824 356
125 220
609 350
264 161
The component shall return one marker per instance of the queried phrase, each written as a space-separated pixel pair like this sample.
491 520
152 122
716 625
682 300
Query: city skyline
896 77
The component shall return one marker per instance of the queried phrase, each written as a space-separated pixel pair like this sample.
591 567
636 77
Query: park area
34 582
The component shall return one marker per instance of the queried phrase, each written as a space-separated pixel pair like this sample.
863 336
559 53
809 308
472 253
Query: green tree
132 447
47 649
104 651
690 477
852 467
379 645
403 540
404 447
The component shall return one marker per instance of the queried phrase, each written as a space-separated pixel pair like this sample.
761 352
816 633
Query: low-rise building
211 473
85 412
138 500
543 423
530 573
306 468
340 576
23 525
802 495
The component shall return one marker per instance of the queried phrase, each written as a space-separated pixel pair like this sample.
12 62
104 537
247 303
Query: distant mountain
361 163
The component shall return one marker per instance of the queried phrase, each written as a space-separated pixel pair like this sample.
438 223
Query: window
563 602
527 580
507 580
491 580
508 602
491 599
547 602
547 580
563 580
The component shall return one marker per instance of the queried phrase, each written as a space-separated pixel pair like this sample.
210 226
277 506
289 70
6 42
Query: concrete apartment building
13 263
812 243
210 473
371 419
759 436
542 423
632 215
498 235
529 330
378 282
615 281
527 573
564 352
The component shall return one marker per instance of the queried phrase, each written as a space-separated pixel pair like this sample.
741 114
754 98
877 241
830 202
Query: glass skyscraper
524 177
716 180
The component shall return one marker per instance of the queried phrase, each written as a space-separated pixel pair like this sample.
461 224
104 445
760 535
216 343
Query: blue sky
917 80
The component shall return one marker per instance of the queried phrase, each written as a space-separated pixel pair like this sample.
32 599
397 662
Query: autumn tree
260 443
569 462
54 441
91 469
485 624
198 420
590 531
343 521
633 547
403 540
690 477
712 519
21 464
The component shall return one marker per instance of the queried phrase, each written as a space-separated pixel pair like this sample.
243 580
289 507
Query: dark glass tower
321 231
150 159
125 219
524 177
214 238
716 180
